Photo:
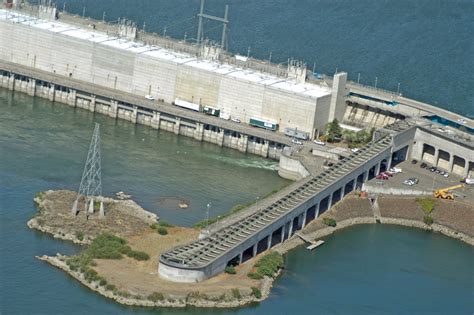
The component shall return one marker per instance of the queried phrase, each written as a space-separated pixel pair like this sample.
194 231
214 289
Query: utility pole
358 78
103 17
398 88
208 206
83 12
376 79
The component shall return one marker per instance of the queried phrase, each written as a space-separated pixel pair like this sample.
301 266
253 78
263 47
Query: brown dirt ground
142 277
56 214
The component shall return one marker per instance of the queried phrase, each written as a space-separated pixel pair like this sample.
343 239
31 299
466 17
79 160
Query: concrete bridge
278 221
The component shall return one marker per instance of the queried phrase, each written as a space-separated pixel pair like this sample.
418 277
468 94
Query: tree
334 131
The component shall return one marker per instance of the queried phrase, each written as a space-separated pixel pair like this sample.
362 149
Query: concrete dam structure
111 74
136 68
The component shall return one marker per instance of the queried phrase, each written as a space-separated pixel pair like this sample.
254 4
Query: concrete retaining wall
54 51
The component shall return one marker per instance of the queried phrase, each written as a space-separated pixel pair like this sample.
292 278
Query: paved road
429 181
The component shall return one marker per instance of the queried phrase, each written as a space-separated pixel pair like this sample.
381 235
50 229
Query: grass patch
230 270
80 235
428 220
256 292
161 223
156 296
104 246
39 195
236 293
427 204
268 266
329 222
254 276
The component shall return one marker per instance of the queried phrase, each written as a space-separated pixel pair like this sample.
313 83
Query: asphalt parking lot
428 181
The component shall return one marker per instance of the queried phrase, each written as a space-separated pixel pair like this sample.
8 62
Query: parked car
432 169
150 97
296 141
423 165
414 180
395 170
408 182
389 174
446 174
235 120
355 150
319 142
381 176
414 161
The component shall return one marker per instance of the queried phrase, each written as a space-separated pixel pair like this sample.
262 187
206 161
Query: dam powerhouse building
167 84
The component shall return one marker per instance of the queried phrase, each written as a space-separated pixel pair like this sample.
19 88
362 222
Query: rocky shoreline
349 212
59 261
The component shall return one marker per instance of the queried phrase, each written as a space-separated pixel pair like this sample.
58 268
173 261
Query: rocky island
121 258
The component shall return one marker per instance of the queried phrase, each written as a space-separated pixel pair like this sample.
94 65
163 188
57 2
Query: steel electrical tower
91 182
224 20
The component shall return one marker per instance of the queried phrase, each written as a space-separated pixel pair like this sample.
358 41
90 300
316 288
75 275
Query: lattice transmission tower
91 182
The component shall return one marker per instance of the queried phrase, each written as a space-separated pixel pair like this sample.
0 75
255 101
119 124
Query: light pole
376 79
398 88
358 78
208 206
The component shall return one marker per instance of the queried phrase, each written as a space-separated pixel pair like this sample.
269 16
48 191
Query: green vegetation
428 220
329 222
268 266
236 293
357 138
110 287
39 195
80 235
427 204
256 292
161 223
162 230
156 296
333 131
161 227
254 276
230 270
104 246
234 209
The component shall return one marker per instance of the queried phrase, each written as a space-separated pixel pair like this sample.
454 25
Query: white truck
188 105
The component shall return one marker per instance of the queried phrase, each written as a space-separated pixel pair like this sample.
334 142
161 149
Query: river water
425 45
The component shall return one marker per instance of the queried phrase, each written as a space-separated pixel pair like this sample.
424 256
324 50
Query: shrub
165 224
138 255
103 282
428 220
329 222
256 292
230 270
254 275
156 296
269 264
80 235
427 204
162 230
236 293
106 246
110 287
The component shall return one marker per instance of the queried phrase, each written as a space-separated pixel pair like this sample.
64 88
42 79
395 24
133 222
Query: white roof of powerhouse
249 75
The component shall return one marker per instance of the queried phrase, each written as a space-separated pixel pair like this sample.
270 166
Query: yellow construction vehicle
446 193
